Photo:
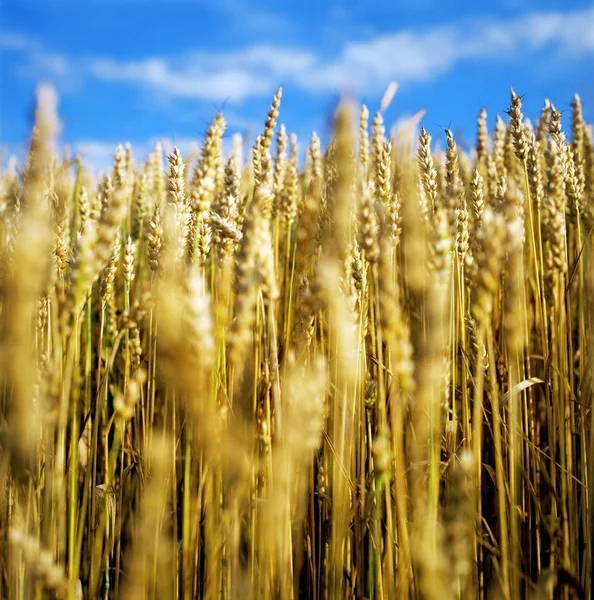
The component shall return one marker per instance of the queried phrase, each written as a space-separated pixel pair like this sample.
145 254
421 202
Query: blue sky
140 70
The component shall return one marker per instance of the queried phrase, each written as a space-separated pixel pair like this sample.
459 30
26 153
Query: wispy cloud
408 56
210 76
249 16
14 41
421 55
235 76
189 81
39 60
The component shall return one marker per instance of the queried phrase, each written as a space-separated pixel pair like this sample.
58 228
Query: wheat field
363 375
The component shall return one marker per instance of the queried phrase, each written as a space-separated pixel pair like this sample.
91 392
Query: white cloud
187 81
574 32
209 76
39 62
403 56
14 41
407 56
420 55
55 64
272 59
249 16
